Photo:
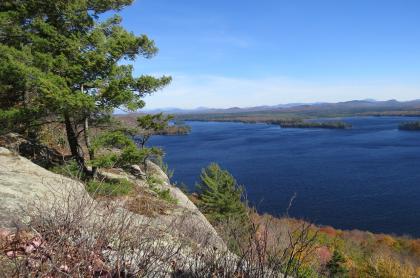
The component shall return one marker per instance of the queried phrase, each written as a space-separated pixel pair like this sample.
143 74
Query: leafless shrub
267 248
72 235
75 236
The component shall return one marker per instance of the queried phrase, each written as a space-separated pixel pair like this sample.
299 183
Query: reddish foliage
329 231
356 236
323 254
415 247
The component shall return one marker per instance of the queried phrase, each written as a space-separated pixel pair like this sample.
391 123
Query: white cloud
190 91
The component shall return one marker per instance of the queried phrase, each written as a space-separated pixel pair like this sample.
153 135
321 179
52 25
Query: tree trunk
144 140
89 146
76 150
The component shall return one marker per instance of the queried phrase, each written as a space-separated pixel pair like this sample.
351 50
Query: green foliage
70 169
336 267
110 188
60 62
18 120
163 194
152 153
152 124
175 129
220 195
105 160
112 139
55 48
129 153
303 271
132 155
152 181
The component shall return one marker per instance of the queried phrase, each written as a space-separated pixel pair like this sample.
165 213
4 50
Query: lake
366 178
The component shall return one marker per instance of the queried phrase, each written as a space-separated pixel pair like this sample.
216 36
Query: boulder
137 171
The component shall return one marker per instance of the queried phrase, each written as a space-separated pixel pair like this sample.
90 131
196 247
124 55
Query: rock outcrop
36 152
190 220
23 183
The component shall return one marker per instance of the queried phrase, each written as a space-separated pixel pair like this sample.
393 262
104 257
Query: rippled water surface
364 178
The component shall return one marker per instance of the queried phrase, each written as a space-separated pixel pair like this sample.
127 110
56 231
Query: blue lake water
366 178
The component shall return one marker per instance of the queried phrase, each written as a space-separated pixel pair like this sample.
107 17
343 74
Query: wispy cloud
190 91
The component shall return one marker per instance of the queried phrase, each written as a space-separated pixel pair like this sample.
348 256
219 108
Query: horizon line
274 105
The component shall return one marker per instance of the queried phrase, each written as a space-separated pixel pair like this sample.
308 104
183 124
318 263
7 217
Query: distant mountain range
365 104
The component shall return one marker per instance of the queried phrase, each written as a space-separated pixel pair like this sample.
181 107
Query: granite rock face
194 223
23 183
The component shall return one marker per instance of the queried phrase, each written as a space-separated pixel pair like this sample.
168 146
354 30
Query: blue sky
245 53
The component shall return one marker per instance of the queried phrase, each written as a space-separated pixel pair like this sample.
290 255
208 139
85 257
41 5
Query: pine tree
60 63
151 124
220 195
336 266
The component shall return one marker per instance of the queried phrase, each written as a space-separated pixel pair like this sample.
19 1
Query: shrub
70 169
415 247
104 161
75 236
387 240
152 181
163 194
130 154
389 267
328 230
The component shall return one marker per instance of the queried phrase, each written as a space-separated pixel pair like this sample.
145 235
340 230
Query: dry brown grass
148 204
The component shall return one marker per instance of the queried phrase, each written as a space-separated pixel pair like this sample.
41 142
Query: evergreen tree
60 63
151 124
220 195
336 266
